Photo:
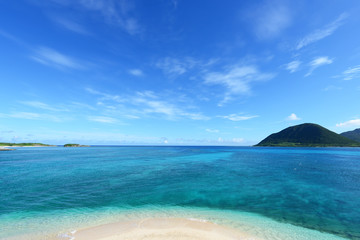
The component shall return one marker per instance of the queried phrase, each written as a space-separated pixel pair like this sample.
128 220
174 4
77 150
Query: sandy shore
6 148
161 229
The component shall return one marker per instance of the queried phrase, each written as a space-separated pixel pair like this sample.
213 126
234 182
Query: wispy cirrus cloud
118 13
322 33
236 80
293 117
351 73
238 117
34 116
51 57
350 123
293 66
43 106
145 104
318 62
102 119
70 25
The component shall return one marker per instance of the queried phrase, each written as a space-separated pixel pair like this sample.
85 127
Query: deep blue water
317 188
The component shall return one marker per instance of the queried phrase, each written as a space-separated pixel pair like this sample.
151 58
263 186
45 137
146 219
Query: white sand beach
162 228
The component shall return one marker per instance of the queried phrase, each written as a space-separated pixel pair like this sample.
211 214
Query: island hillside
307 135
353 135
75 145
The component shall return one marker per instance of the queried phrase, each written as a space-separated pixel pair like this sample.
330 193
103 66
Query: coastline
162 228
155 222
6 148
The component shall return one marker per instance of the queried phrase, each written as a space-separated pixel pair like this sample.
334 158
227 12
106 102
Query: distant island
307 135
353 135
25 145
75 145
4 145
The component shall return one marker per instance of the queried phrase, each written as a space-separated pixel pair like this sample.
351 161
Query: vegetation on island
353 135
307 135
25 144
75 145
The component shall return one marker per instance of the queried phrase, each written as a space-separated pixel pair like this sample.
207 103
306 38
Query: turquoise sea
278 193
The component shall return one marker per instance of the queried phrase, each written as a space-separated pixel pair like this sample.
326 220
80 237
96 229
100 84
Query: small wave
67 236
197 220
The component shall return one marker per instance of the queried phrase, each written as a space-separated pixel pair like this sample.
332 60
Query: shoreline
6 148
161 228
155 224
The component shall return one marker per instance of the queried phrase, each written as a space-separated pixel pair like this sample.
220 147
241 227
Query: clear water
311 188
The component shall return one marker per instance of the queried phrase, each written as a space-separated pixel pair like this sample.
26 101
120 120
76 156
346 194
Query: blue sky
176 72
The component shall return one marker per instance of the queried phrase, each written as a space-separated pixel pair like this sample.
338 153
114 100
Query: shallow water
315 188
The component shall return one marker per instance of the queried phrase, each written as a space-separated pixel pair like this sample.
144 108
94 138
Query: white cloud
212 130
350 123
136 72
50 57
293 117
351 73
271 19
102 119
236 80
317 62
322 33
236 117
293 66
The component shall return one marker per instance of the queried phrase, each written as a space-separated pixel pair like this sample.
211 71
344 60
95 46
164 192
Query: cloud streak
318 62
71 25
114 12
176 67
322 33
102 119
350 123
351 73
238 117
145 104
43 106
51 57
33 116
293 66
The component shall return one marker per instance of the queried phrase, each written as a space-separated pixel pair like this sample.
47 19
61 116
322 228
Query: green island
307 135
25 144
4 144
75 145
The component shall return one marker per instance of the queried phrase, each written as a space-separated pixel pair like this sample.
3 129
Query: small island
307 135
4 146
75 145
25 145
